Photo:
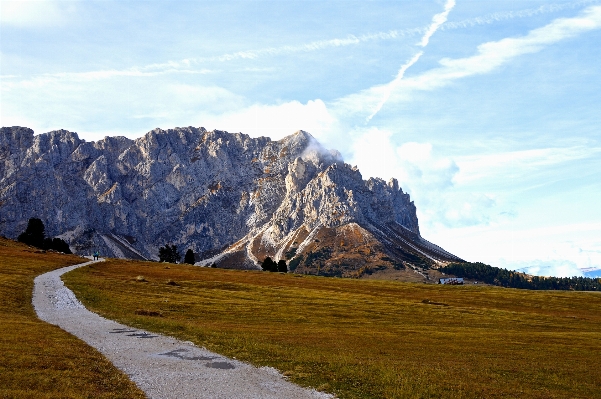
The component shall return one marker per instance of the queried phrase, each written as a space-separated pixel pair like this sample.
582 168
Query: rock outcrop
233 199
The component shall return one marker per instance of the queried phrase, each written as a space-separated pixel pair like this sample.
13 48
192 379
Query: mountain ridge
233 199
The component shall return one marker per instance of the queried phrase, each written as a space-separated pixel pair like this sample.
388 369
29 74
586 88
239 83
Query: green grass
39 360
365 339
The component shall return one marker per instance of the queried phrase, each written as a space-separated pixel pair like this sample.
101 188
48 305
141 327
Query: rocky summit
232 199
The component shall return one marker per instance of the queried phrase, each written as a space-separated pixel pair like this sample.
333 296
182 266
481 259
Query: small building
451 281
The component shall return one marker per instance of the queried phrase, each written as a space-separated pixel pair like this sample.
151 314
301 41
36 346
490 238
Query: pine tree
282 266
189 258
34 234
57 244
169 253
269 265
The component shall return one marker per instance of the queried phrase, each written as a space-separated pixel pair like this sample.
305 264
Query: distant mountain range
232 199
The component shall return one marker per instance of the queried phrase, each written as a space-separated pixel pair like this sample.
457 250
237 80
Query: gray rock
214 192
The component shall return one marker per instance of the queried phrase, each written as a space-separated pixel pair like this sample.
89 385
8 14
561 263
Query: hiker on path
96 255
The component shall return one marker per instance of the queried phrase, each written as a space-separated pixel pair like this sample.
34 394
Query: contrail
184 65
509 15
392 85
437 21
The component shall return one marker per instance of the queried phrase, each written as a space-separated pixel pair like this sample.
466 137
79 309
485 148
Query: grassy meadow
365 339
39 360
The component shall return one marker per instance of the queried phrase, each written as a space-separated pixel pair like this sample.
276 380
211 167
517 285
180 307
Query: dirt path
161 366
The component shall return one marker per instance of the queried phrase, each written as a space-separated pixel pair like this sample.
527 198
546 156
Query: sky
487 112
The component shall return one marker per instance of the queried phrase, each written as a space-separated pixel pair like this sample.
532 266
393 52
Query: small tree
34 234
57 244
269 265
169 253
189 258
282 266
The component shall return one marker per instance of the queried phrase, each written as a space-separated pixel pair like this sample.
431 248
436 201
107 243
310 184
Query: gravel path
163 367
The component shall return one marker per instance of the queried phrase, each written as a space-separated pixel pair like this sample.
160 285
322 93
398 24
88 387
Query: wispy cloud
487 166
437 20
388 89
509 15
489 56
11 81
21 13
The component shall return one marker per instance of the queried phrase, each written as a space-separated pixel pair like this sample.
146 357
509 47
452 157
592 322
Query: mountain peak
231 198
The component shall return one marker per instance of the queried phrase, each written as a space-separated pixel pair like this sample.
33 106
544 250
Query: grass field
365 339
39 360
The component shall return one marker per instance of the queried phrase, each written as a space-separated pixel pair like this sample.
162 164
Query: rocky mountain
233 199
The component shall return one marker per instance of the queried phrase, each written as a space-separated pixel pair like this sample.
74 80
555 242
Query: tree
282 266
34 234
169 253
189 258
57 244
269 265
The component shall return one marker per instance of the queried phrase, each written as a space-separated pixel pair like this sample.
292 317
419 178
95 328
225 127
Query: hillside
231 198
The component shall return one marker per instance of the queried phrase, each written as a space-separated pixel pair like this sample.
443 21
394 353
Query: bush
169 253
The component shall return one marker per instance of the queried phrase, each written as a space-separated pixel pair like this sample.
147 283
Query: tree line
269 265
169 254
35 235
512 279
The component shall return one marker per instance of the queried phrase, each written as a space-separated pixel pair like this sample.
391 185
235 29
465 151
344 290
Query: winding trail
163 367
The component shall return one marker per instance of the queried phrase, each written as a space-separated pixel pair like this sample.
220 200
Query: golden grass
39 360
366 339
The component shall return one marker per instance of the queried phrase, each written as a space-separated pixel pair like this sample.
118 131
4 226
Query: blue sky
488 112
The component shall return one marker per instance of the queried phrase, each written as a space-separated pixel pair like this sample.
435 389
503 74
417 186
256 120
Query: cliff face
233 199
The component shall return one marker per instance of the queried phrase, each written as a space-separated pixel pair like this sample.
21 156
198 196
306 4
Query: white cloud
555 268
428 178
276 121
548 256
555 249
129 106
36 13
517 163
